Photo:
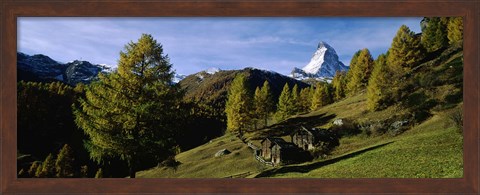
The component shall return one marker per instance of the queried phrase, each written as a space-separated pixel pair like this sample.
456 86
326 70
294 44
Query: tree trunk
131 164
132 171
266 120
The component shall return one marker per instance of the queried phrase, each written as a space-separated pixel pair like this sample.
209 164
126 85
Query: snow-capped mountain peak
317 59
178 77
42 68
212 70
323 64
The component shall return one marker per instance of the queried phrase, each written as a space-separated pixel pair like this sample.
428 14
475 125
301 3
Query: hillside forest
136 122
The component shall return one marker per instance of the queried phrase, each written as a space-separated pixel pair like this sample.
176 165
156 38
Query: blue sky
195 44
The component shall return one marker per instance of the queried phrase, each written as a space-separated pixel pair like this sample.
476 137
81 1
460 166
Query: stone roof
279 141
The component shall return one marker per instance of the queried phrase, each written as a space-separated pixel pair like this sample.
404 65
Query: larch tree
321 96
328 90
305 99
295 99
455 30
64 162
238 106
39 171
131 113
48 167
263 102
33 168
434 33
406 51
349 75
258 109
378 90
339 83
360 72
285 106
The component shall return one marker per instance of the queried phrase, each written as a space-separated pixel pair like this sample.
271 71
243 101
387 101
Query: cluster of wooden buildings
277 150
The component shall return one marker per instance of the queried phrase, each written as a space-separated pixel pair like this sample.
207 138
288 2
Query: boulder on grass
222 152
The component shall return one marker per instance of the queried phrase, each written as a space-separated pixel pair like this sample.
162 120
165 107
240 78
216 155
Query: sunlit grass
200 162
426 151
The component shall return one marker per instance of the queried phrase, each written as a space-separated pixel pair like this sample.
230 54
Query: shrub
348 128
455 117
398 127
454 97
364 128
328 141
170 162
378 128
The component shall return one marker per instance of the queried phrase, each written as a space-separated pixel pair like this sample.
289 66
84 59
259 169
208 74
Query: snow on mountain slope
42 68
212 70
209 71
178 77
323 64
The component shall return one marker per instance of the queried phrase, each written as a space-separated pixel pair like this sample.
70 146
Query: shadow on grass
316 165
290 125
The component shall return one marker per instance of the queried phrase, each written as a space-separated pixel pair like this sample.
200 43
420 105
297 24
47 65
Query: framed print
239 97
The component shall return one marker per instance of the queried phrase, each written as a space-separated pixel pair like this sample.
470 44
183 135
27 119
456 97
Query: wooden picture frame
11 9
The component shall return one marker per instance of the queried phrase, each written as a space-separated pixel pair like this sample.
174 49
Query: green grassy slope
430 149
200 162
427 151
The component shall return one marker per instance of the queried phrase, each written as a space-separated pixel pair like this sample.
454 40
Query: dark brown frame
10 10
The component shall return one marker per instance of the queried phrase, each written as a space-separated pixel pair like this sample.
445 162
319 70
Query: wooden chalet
306 138
278 150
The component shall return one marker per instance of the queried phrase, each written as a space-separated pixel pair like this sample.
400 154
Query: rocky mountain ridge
323 64
42 68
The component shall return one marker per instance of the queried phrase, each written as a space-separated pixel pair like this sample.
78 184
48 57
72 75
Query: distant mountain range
211 87
323 65
44 69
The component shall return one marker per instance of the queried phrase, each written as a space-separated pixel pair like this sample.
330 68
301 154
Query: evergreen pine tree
434 33
378 86
360 72
284 107
239 105
64 162
132 113
455 30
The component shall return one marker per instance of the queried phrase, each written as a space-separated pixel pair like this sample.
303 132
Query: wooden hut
306 138
278 150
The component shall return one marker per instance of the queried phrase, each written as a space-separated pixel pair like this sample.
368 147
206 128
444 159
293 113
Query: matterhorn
323 65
